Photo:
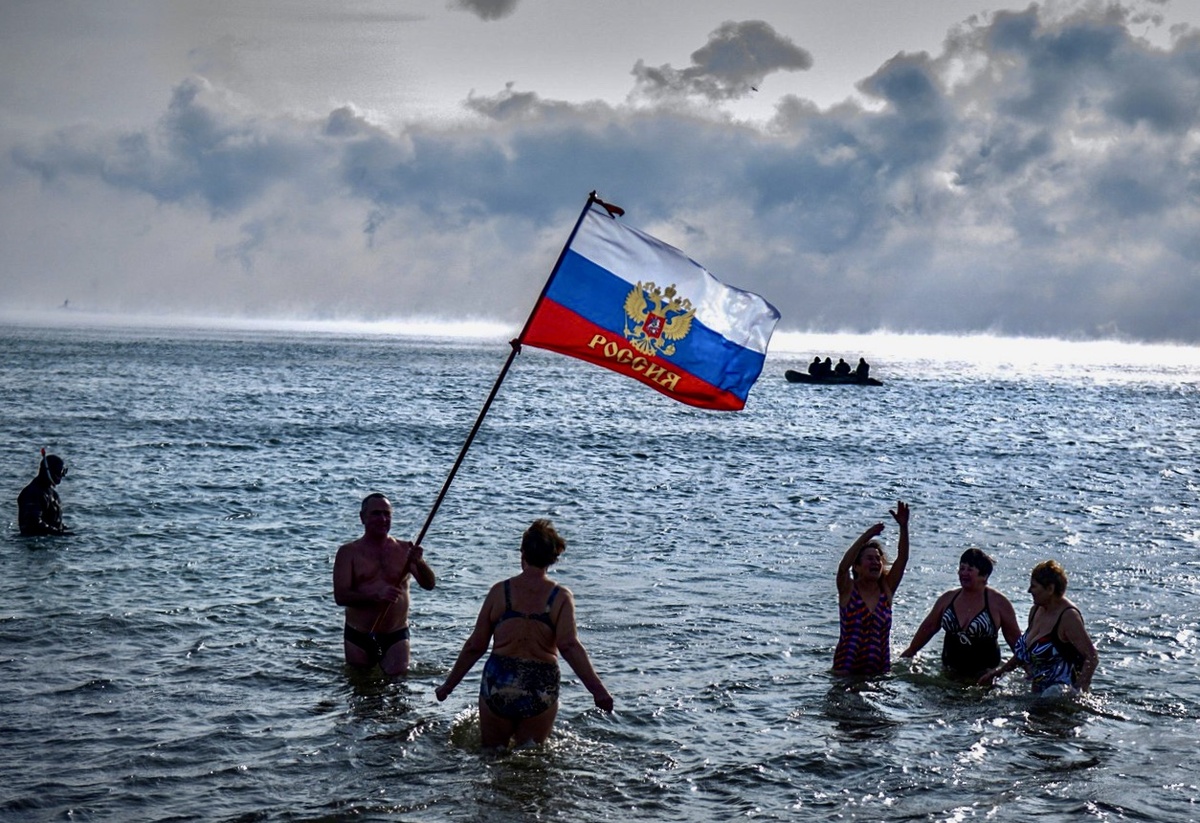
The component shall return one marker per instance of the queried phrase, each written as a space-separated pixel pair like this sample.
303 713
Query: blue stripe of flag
598 295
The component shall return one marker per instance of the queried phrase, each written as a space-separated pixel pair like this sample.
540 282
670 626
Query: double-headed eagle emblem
656 318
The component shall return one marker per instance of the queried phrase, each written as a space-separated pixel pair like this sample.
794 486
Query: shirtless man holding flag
370 578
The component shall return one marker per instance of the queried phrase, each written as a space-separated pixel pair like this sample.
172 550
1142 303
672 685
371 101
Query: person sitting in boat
827 367
814 368
842 369
863 369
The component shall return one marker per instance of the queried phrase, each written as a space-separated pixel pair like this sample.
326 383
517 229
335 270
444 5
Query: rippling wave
180 655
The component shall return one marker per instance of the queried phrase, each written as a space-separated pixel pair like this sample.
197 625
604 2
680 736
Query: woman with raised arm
866 585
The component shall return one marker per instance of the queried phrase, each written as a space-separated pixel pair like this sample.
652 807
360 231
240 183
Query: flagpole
613 211
515 343
516 349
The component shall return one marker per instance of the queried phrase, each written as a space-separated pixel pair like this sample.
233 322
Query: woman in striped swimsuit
865 588
973 616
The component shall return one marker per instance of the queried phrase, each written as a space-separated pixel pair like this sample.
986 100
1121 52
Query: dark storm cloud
486 9
1097 62
735 60
1036 177
198 152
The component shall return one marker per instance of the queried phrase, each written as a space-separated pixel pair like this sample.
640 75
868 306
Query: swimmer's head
978 560
371 498
870 561
55 468
541 544
1050 575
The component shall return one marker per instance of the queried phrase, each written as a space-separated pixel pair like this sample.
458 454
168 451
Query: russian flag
629 302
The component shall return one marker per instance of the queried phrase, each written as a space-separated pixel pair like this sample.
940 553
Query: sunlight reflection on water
181 655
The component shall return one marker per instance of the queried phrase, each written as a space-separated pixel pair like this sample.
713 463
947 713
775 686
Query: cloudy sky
940 166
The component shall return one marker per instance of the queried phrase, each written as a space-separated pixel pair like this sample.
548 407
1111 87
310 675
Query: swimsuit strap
979 625
509 611
949 620
1065 650
987 609
1052 635
541 617
544 616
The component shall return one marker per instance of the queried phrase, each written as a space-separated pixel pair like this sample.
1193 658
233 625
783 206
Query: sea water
179 656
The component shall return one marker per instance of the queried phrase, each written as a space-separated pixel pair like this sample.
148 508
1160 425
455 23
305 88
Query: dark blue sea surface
179 656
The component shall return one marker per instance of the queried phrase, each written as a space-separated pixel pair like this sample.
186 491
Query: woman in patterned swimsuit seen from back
528 620
865 586
973 616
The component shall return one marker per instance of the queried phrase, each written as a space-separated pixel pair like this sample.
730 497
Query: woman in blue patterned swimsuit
1056 651
531 619
973 616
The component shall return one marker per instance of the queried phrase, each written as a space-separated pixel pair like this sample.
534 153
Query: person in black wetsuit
862 370
814 368
39 509
842 369
528 620
972 617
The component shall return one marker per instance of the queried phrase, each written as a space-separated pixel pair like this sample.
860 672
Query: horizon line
784 342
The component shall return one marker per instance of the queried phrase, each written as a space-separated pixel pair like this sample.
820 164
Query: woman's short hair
979 560
1050 573
541 544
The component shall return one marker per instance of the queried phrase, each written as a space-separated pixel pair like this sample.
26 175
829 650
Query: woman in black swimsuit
972 616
